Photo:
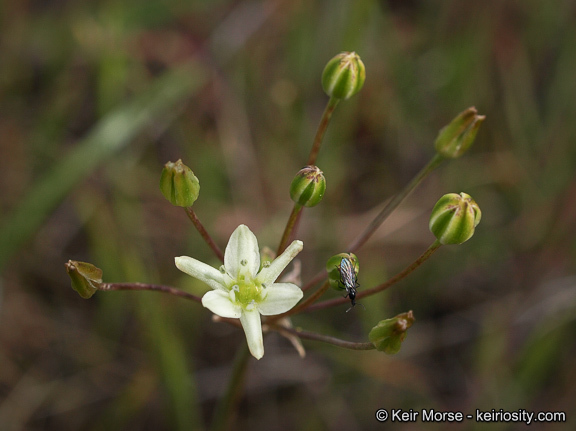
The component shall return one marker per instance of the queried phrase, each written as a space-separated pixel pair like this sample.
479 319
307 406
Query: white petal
209 275
218 302
253 329
270 274
281 298
242 255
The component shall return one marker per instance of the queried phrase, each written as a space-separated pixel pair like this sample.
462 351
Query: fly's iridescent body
348 280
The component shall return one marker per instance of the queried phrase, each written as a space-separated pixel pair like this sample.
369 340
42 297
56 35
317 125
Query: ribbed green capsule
86 278
308 186
388 335
343 75
454 139
454 218
179 184
333 268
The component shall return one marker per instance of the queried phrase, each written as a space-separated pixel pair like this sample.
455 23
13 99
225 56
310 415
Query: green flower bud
455 138
343 75
308 186
454 218
86 278
387 335
179 184
333 268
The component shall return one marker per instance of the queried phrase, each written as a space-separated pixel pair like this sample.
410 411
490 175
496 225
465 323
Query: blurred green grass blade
173 365
114 132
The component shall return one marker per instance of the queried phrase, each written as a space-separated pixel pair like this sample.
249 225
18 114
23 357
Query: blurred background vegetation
96 96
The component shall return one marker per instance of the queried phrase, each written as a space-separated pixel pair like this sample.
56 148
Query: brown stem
324 338
393 203
383 215
294 216
192 216
154 287
314 280
383 286
301 306
330 106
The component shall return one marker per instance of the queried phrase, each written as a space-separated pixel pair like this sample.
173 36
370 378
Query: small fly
349 280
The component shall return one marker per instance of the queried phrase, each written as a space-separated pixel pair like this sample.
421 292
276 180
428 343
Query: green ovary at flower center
247 291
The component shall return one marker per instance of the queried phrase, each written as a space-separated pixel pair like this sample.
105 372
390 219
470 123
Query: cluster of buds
246 288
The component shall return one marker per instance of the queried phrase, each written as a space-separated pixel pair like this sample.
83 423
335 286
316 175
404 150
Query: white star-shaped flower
241 289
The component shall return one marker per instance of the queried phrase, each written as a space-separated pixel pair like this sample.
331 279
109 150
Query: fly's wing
347 273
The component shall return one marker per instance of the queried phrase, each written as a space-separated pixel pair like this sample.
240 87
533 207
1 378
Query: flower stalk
152 287
302 305
394 202
401 275
324 338
290 227
383 215
324 121
204 233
